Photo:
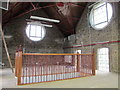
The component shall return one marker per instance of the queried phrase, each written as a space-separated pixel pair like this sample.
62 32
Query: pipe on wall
93 44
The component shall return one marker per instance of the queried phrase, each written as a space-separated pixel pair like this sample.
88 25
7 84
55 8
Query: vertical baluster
46 60
78 65
37 68
29 60
57 71
65 64
23 67
41 68
70 65
32 68
93 63
46 66
37 58
74 65
82 65
26 71
86 63
55 68
49 68
90 64
85 59
62 66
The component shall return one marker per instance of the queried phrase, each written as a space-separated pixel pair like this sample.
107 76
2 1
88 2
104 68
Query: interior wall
0 42
85 35
52 42
119 44
0 51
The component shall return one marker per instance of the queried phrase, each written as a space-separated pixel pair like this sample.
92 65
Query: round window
101 15
35 32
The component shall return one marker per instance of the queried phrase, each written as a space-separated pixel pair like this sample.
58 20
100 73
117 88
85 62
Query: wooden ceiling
68 13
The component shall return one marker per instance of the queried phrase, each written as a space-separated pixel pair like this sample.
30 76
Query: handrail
39 69
53 54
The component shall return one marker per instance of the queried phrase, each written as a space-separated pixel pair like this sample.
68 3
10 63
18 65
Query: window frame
35 36
91 15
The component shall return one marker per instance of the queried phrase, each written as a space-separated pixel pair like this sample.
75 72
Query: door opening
103 59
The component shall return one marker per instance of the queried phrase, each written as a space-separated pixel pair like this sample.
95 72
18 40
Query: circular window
35 32
101 15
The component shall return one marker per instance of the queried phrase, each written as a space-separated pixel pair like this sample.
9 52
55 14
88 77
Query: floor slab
100 80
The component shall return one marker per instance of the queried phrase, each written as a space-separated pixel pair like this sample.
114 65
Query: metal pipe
93 44
30 11
44 19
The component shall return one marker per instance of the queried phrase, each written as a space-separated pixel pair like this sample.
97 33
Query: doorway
103 59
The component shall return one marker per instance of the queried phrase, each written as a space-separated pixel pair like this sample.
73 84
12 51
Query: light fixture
39 24
44 19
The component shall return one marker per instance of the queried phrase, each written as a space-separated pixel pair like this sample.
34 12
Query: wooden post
19 67
78 63
6 49
73 60
93 63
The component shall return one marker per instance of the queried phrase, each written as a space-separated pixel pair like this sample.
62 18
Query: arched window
101 15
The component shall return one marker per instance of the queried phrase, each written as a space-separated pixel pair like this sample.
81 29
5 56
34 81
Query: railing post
73 60
19 67
78 63
93 63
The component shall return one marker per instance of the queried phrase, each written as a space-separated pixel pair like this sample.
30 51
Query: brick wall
52 42
85 34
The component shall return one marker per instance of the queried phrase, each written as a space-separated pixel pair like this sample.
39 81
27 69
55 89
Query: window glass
101 15
35 32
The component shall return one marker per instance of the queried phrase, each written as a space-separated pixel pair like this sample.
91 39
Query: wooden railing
35 67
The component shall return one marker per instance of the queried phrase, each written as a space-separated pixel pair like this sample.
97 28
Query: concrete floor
101 80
